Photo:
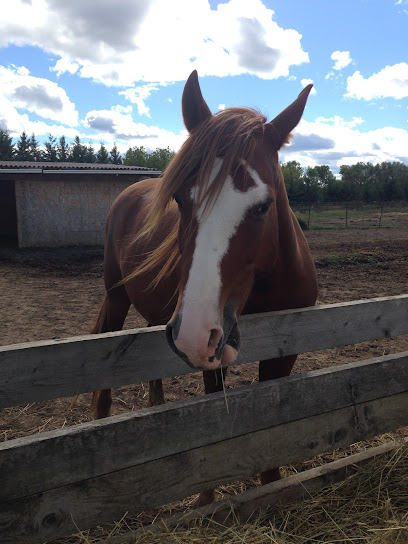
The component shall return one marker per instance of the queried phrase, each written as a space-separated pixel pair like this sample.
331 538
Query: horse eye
260 210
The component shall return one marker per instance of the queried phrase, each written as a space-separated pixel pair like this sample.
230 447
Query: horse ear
194 107
280 128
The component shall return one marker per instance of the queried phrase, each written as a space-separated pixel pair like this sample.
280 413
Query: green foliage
77 151
50 153
115 156
302 223
362 182
102 157
139 156
90 154
160 158
6 146
62 150
22 152
34 149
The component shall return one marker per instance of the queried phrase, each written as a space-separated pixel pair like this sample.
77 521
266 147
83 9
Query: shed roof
73 167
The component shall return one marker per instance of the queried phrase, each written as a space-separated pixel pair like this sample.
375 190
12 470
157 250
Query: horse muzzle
206 348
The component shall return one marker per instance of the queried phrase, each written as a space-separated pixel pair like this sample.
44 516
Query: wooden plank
243 506
60 512
55 458
45 370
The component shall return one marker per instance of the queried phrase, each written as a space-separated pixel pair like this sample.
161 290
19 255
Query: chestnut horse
212 239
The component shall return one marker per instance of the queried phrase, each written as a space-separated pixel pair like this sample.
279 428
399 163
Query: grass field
322 216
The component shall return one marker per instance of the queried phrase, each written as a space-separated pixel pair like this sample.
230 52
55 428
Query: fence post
381 213
347 205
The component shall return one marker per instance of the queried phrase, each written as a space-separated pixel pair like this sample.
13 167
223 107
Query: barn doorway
8 215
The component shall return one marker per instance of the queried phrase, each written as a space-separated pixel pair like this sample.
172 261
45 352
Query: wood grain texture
243 506
62 511
45 370
55 458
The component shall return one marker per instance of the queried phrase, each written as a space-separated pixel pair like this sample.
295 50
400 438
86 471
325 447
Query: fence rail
352 214
56 481
37 371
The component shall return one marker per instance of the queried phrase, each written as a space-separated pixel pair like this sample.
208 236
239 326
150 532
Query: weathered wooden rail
54 482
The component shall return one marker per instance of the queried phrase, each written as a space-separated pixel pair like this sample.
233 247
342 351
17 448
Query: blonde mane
229 134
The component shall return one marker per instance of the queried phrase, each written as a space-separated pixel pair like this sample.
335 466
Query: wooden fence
55 482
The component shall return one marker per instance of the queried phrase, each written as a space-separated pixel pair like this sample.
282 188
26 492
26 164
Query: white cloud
145 40
341 58
305 82
64 65
138 95
336 141
21 91
117 124
221 107
391 81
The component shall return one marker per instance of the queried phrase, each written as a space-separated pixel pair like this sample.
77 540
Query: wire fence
352 214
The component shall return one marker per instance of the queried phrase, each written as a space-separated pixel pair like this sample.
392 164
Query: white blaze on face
216 226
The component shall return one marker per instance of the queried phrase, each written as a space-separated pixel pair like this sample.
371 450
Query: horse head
228 202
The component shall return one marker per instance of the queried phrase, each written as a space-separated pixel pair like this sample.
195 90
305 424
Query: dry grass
369 507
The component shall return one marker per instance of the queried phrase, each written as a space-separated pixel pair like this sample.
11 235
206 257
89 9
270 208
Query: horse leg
213 381
111 317
156 395
270 370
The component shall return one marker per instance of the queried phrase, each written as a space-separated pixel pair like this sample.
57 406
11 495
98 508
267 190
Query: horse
212 239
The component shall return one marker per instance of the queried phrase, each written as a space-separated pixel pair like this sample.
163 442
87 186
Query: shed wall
60 212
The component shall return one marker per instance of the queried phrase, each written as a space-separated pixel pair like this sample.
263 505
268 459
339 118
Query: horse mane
229 134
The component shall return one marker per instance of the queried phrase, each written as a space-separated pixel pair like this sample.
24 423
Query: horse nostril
215 337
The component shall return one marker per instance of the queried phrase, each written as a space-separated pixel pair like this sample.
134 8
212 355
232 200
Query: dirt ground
47 294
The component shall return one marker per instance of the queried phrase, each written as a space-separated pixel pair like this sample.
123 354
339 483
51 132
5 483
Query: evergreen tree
77 151
50 153
22 152
115 156
62 150
35 151
6 146
102 156
90 154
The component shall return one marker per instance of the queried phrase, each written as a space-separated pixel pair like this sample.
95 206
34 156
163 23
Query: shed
51 204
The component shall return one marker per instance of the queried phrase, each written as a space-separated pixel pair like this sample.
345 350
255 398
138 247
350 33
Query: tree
115 156
293 176
90 154
22 152
35 151
392 178
62 150
78 151
50 153
102 156
160 158
357 181
6 146
313 188
136 156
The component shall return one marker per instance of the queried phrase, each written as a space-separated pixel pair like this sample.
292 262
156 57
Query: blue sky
114 71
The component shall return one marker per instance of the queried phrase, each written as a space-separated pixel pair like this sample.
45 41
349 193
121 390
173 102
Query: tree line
27 148
363 181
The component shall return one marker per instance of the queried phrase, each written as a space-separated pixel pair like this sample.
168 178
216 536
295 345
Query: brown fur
268 265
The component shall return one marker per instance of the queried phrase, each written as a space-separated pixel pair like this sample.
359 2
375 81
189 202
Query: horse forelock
231 135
